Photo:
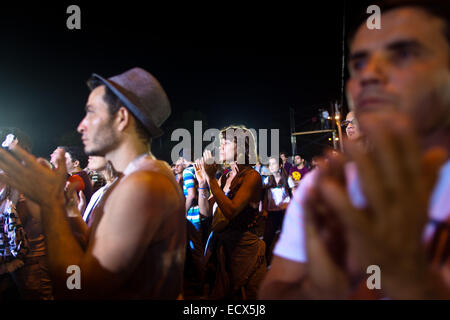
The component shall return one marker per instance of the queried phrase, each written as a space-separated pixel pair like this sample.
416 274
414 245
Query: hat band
146 121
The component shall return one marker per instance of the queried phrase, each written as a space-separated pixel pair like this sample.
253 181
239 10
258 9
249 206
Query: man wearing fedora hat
135 244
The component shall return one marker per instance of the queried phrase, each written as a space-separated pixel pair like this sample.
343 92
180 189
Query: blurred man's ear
76 163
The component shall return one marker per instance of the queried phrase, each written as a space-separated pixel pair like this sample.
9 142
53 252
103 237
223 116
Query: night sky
222 62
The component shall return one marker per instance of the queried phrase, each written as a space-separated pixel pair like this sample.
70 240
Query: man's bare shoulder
154 186
148 188
150 164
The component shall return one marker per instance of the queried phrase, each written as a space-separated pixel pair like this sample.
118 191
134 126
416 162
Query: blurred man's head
298 160
314 161
53 156
76 159
180 165
404 66
97 163
283 156
351 127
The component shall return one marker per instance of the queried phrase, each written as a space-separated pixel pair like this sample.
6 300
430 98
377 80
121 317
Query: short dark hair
77 153
436 8
114 104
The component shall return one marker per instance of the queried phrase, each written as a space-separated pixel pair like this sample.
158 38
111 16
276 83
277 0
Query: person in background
194 265
324 119
351 126
23 255
238 251
76 162
105 169
277 195
299 170
287 165
314 162
261 169
179 167
392 198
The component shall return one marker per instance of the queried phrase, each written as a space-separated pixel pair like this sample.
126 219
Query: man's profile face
97 127
53 156
70 166
403 67
179 166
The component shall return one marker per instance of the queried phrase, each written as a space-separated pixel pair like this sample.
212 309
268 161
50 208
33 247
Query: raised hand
210 166
75 202
328 273
200 173
28 175
397 179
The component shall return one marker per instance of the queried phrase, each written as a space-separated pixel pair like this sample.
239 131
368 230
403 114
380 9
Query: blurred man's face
97 163
69 163
297 160
352 128
404 66
179 167
283 157
96 128
53 156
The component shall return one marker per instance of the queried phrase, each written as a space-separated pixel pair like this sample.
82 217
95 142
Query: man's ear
76 163
123 118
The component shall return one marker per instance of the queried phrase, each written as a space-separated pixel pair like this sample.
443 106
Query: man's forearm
80 230
63 248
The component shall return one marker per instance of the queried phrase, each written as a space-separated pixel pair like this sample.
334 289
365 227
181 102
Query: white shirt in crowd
291 244
95 199
278 198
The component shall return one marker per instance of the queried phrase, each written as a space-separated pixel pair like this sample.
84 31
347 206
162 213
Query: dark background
220 62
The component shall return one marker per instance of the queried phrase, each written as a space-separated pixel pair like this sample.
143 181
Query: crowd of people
229 226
